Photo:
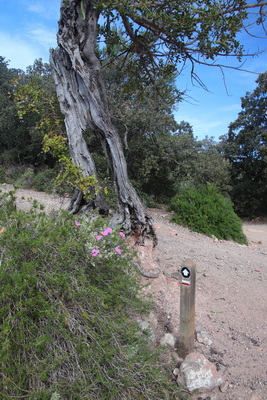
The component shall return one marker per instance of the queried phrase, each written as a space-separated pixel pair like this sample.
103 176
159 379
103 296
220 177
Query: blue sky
28 29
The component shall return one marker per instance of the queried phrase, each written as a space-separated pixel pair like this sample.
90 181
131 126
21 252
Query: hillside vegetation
68 301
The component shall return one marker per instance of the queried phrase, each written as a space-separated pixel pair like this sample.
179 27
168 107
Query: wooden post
187 308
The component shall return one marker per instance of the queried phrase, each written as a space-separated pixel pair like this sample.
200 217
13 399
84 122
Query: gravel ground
231 299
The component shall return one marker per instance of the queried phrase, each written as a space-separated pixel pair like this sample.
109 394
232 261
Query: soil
231 299
231 294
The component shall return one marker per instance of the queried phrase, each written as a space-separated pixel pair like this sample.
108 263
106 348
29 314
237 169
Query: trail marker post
187 308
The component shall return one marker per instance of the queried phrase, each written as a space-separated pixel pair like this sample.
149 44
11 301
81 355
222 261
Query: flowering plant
105 244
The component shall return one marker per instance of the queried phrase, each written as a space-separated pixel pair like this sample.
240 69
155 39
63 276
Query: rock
198 373
202 336
176 275
146 327
224 387
168 340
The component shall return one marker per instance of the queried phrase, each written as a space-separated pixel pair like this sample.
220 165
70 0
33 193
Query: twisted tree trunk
73 107
82 97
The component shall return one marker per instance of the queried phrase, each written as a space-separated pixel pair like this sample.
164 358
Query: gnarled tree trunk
83 101
75 111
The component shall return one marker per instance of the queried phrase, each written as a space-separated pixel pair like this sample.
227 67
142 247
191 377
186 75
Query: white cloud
47 9
231 107
36 7
202 124
20 52
42 35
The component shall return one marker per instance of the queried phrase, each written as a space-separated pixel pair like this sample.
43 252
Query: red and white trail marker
187 308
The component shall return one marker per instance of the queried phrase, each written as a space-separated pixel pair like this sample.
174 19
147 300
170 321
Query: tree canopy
246 148
163 36
15 140
171 33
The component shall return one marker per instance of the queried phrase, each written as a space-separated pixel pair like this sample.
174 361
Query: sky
28 30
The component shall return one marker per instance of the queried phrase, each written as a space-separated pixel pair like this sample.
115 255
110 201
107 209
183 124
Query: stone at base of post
187 309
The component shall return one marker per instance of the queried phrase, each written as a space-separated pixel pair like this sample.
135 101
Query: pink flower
98 237
106 231
95 252
122 234
77 223
118 250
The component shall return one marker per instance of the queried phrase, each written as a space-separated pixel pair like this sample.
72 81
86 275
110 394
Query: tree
141 117
246 148
23 98
159 33
14 137
212 167
37 108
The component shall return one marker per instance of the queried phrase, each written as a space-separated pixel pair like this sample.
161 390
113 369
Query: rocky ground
231 295
231 300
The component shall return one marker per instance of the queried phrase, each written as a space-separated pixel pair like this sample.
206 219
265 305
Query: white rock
203 337
198 373
168 340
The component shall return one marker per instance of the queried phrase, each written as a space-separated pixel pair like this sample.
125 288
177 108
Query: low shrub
205 210
67 292
2 175
44 180
25 180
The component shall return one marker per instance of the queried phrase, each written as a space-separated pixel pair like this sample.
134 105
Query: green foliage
205 210
2 176
245 147
14 136
170 163
162 155
66 312
176 31
44 181
25 179
36 97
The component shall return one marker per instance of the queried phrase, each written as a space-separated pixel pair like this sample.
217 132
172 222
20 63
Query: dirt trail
231 299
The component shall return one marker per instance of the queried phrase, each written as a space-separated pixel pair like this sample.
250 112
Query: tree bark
83 100
72 106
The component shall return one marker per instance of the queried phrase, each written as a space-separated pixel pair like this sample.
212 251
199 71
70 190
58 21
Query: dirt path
231 300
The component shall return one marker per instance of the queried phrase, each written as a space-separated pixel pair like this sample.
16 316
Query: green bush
44 181
67 300
2 175
205 210
25 180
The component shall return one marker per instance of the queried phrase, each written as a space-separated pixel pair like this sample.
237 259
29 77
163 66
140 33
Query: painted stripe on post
187 283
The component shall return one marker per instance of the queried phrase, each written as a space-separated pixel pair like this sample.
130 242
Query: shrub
25 180
67 292
205 210
16 174
2 175
44 181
